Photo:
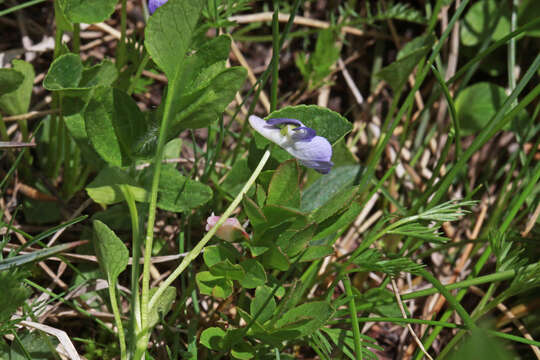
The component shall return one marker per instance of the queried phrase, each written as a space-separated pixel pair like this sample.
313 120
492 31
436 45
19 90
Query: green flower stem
354 320
136 254
200 246
152 208
117 318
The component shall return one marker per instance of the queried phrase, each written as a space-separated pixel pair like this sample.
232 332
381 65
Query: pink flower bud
230 230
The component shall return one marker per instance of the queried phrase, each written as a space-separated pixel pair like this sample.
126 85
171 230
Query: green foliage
176 192
318 66
10 80
111 252
168 38
33 345
17 101
372 260
163 306
325 122
477 104
106 187
12 284
485 19
275 291
481 345
395 11
90 12
68 75
284 178
397 73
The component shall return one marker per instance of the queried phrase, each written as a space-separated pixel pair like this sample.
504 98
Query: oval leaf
111 252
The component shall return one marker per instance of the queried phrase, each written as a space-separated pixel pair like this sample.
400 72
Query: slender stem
152 208
200 246
117 318
354 320
465 317
20 6
135 266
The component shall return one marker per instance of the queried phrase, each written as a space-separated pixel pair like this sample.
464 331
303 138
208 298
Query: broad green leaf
73 109
415 44
18 101
274 258
129 122
333 227
325 122
396 73
298 241
176 192
13 285
306 318
99 123
263 305
327 186
485 18
163 305
105 188
67 74
217 253
315 252
228 270
206 86
200 108
335 204
89 12
112 254
255 274
478 103
34 345
205 63
61 21
236 177
277 214
168 34
10 80
283 189
319 66
216 286
212 338
253 212
480 345
243 351
113 124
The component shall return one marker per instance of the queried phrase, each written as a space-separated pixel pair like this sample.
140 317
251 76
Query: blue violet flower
298 140
154 4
